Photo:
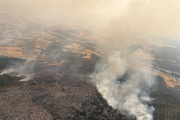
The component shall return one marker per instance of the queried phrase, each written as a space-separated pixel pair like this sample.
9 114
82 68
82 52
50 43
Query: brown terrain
63 57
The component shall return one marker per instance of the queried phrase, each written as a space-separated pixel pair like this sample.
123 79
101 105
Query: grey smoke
27 78
25 70
123 18
131 95
10 70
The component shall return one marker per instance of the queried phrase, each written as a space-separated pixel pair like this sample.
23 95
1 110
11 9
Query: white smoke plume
131 95
120 19
11 70
25 70
27 78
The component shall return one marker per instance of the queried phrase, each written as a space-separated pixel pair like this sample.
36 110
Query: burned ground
166 102
68 95
65 91
56 97
60 94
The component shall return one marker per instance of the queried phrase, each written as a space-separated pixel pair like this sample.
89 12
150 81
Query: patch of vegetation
172 73
96 108
5 61
166 103
87 66
175 75
8 81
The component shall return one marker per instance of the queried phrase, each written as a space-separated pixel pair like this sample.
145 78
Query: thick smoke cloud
106 17
131 95
119 19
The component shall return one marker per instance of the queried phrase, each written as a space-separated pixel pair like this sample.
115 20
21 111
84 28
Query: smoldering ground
117 21
125 90
25 70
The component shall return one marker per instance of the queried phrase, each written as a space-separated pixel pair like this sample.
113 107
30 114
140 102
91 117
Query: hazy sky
122 18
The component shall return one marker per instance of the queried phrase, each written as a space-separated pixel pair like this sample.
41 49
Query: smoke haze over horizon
119 18
117 21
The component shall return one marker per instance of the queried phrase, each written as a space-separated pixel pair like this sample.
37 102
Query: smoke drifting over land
120 19
25 70
132 94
